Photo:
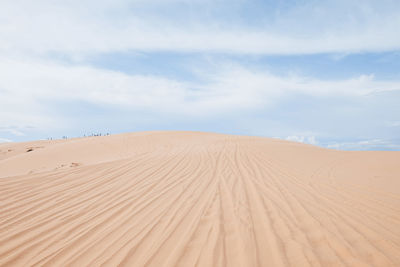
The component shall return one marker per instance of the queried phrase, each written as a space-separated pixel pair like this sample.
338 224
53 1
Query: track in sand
196 199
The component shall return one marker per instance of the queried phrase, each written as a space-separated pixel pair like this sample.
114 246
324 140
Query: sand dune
196 199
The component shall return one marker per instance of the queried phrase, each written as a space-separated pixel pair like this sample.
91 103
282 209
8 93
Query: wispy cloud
87 27
5 140
47 50
310 139
16 131
372 144
28 87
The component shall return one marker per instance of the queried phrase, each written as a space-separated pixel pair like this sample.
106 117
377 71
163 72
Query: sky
321 72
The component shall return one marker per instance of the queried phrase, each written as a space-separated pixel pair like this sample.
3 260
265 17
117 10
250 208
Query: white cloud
380 144
4 140
30 89
87 27
12 130
310 139
262 83
31 32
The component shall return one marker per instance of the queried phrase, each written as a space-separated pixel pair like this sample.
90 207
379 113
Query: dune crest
196 199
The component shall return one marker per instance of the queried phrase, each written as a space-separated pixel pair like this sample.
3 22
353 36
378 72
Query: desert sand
196 199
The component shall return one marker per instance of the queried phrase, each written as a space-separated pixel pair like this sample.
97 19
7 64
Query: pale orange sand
196 199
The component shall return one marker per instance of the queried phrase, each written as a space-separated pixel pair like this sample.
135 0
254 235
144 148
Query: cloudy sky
321 72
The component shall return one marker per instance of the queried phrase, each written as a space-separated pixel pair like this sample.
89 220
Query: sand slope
196 199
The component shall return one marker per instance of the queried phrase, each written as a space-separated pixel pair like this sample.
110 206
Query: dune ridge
196 199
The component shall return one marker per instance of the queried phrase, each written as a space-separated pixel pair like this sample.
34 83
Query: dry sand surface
196 199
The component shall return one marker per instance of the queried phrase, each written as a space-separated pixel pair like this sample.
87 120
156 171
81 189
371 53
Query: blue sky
319 72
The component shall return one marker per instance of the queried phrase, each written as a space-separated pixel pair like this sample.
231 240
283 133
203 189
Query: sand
196 199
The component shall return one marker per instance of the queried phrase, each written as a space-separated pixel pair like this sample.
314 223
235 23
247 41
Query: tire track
197 199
